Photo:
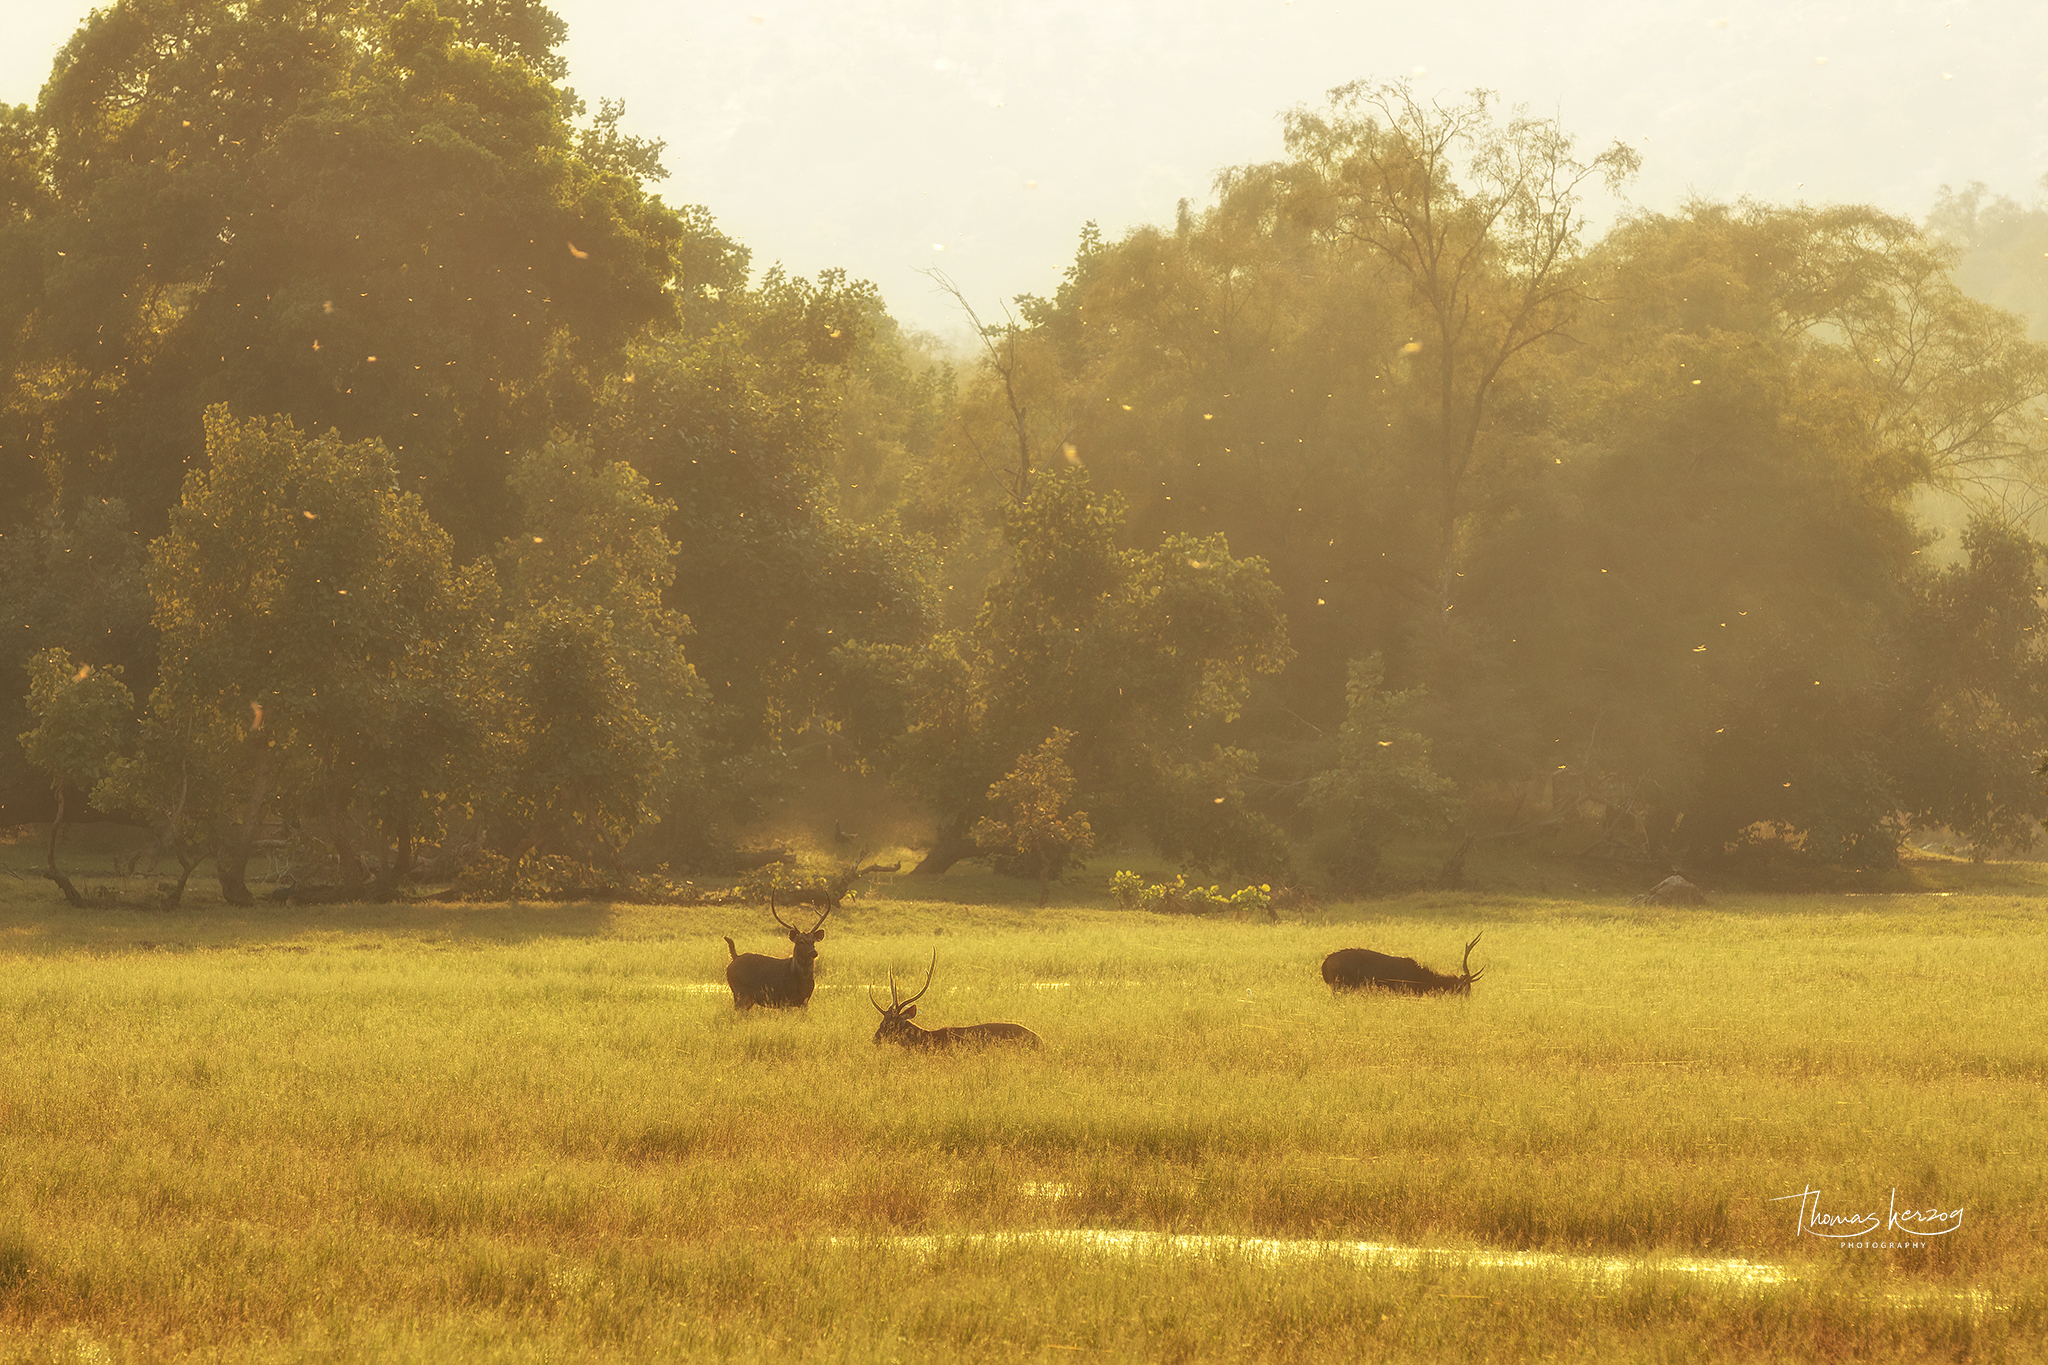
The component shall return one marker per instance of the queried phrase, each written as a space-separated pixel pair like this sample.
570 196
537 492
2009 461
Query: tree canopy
365 217
497 512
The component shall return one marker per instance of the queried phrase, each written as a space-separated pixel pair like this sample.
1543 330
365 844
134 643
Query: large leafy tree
81 716
368 217
1143 655
1976 704
594 712
1314 363
1031 832
1236 376
1482 222
738 420
1697 601
71 582
316 640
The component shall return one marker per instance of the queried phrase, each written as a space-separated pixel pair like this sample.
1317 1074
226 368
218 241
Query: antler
777 913
1465 970
821 919
896 1000
927 980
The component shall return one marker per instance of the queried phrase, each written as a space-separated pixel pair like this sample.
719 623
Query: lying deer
897 1028
776 982
1362 969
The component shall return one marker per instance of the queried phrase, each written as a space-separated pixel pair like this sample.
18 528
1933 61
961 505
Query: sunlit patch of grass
540 1132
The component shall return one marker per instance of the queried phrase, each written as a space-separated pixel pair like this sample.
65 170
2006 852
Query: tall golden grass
524 1133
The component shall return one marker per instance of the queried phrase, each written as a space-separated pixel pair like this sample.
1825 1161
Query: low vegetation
524 1131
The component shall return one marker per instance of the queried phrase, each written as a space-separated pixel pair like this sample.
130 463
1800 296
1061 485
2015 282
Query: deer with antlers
777 982
897 1028
1362 969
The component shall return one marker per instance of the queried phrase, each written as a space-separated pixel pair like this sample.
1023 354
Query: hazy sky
890 136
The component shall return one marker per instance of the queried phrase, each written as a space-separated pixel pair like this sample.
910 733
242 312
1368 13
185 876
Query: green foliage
73 583
316 645
1976 703
594 711
1130 892
1488 250
364 216
1720 648
1142 656
736 420
2002 244
1382 782
1032 831
82 717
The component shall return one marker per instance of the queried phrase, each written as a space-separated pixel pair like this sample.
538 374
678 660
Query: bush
1178 898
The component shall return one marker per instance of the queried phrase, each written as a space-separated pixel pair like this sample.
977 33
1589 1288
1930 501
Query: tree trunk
949 849
63 882
398 862
349 872
1452 873
231 857
188 863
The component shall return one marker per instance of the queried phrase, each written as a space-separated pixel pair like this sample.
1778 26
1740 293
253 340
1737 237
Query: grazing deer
897 1028
777 982
1361 969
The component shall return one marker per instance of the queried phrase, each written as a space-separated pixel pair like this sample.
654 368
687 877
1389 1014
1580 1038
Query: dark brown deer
1361 969
897 1028
777 982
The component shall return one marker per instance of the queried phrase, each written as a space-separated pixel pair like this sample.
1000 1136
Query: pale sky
977 136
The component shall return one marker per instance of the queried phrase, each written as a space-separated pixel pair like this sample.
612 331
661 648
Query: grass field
516 1133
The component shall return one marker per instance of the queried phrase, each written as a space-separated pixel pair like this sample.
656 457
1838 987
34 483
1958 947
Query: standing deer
777 982
1361 969
897 1028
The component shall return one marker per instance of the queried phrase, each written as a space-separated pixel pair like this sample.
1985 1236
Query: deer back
1354 969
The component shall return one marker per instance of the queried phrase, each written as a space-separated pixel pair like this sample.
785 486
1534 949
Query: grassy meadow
540 1132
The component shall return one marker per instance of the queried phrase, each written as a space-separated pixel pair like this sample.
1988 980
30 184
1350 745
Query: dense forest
384 461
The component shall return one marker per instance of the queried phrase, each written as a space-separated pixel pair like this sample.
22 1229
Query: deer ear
817 934
909 1012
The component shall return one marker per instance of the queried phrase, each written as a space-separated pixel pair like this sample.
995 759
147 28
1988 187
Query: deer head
896 1018
806 940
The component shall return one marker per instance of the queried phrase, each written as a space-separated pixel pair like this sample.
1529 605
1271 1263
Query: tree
1031 832
2003 244
82 715
737 420
595 712
362 216
1696 598
172 780
1975 710
312 627
1017 416
1491 259
72 582
1143 656
1382 782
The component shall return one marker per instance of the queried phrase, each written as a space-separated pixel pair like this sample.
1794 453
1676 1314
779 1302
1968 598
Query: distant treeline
379 455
